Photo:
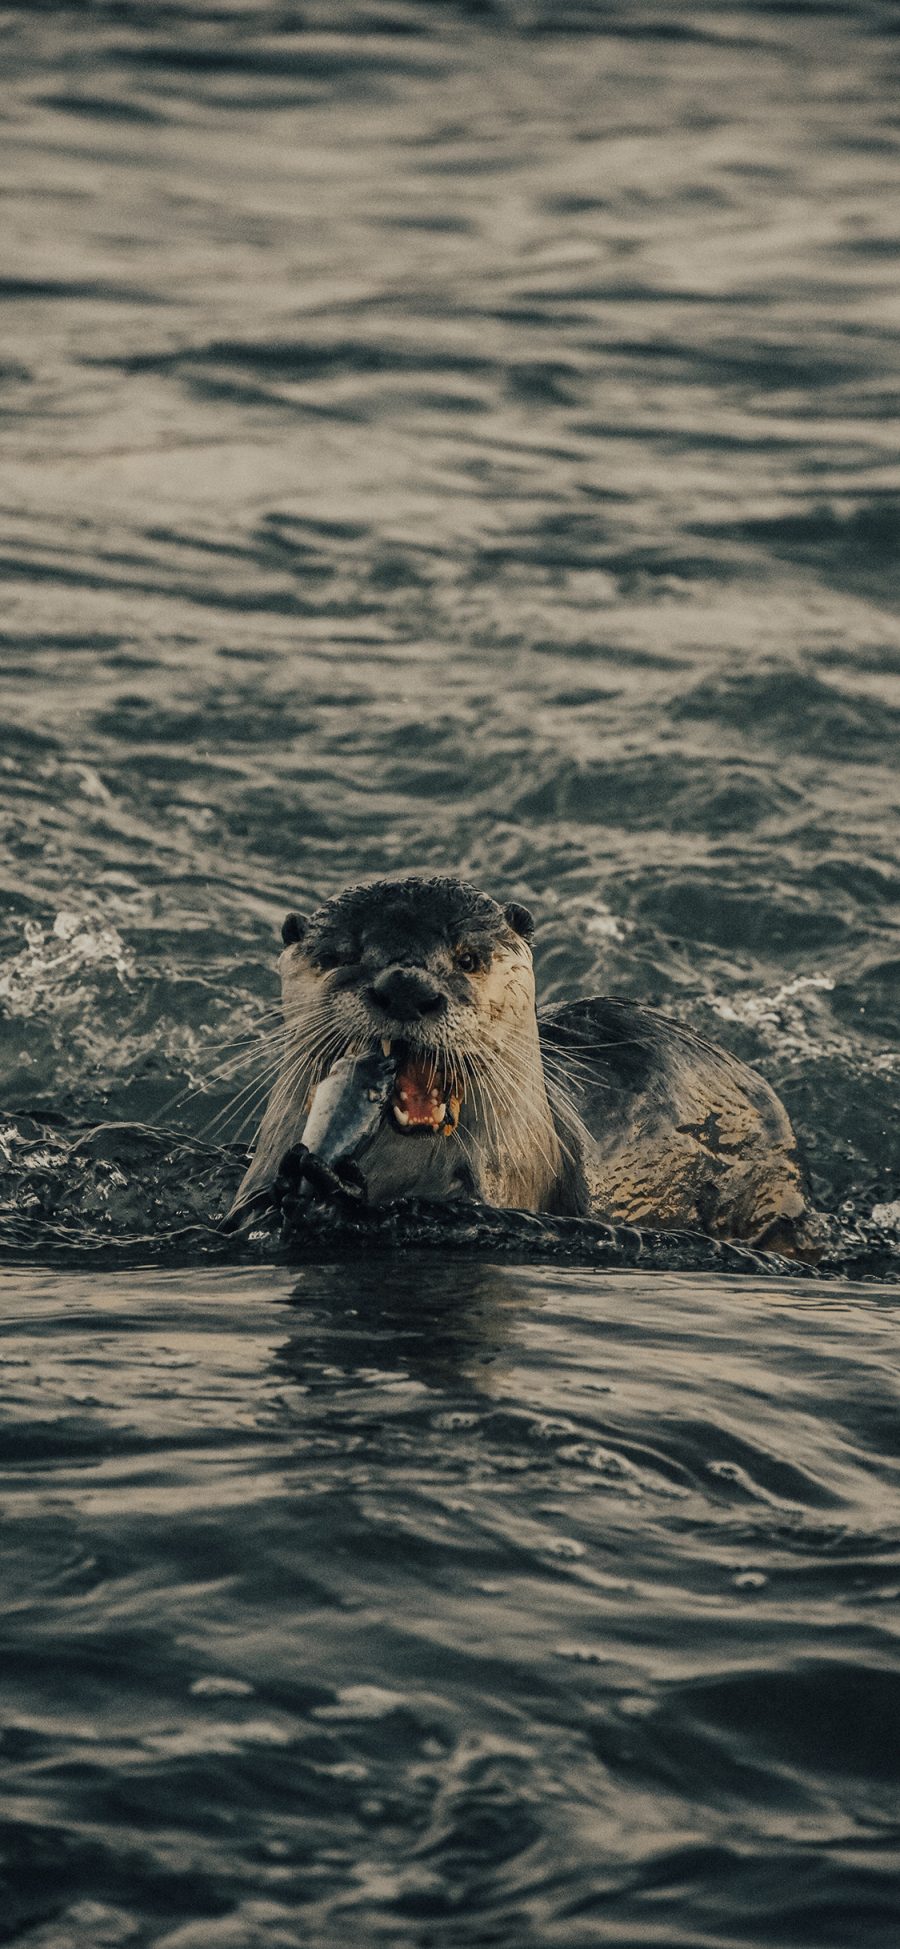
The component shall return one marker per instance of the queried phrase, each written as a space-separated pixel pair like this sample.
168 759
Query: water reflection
441 1325
492 1609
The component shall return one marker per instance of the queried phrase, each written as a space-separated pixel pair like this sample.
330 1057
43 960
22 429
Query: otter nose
405 992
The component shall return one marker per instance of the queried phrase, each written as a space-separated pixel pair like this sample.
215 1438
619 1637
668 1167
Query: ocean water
458 438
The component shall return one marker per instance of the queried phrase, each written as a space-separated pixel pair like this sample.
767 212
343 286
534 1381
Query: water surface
546 1608
459 438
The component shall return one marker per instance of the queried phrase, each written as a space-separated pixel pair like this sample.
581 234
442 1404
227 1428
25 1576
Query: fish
347 1108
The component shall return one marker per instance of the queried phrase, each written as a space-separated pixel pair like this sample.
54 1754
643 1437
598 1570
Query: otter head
436 972
439 976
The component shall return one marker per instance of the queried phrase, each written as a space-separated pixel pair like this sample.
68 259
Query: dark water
552 1608
464 438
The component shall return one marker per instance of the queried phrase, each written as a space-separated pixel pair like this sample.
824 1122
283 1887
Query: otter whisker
513 1080
315 1055
562 1102
274 1045
265 1072
247 1103
539 1142
503 1097
585 1074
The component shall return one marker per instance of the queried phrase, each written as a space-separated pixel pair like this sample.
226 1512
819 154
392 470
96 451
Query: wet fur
599 1106
682 1134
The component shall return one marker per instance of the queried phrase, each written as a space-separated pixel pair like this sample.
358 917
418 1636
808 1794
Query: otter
600 1107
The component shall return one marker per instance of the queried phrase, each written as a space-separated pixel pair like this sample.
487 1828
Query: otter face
436 972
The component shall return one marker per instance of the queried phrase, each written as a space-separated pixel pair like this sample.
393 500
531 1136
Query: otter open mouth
425 1100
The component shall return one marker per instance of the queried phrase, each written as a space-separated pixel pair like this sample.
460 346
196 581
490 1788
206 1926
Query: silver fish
348 1106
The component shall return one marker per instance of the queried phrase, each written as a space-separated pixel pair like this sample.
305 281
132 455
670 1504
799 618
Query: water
552 1608
446 437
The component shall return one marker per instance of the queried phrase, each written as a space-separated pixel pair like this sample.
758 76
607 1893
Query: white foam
44 974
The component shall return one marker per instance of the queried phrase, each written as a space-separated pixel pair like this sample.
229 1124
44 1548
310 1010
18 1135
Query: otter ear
294 928
520 920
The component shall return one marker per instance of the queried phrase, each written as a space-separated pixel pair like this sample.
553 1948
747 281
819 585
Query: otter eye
334 957
467 959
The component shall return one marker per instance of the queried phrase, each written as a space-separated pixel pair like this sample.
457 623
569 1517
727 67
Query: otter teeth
385 1045
404 1118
